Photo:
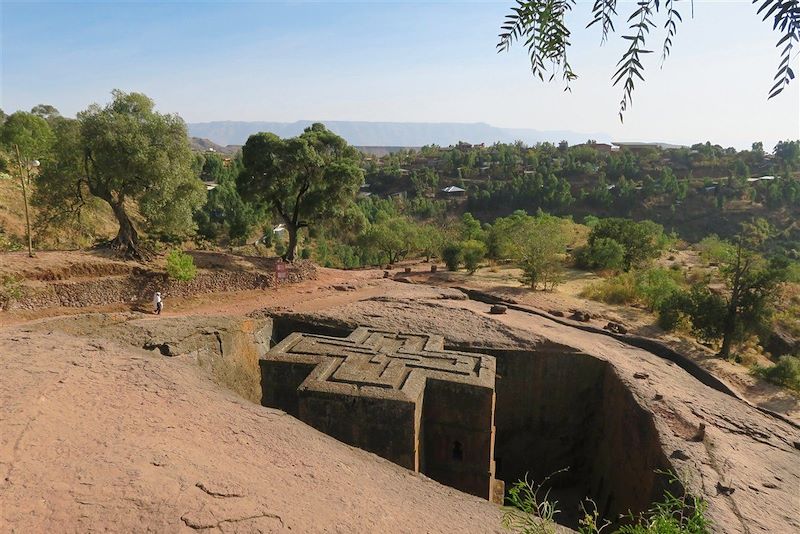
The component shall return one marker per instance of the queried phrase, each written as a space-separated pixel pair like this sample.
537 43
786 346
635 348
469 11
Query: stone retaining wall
140 286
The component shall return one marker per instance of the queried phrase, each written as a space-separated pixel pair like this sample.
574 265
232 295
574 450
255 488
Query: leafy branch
540 24
671 26
786 15
630 65
604 12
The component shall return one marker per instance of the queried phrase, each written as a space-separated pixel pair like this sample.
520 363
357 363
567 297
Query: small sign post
281 272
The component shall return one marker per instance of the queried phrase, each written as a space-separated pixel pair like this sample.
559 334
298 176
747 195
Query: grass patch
786 372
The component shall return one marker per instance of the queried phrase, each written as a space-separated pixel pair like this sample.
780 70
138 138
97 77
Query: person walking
158 303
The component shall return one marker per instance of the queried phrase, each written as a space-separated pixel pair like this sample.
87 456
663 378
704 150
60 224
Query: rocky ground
117 419
101 437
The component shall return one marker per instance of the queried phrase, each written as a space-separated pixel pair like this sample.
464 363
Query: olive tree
131 157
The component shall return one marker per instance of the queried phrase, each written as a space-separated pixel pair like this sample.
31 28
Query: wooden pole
25 199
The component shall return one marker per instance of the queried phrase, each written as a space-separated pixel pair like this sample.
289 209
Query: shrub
654 286
786 372
451 254
712 248
10 289
707 312
673 312
180 266
472 252
305 253
603 253
530 512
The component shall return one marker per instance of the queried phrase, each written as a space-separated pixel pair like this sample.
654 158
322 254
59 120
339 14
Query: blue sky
391 61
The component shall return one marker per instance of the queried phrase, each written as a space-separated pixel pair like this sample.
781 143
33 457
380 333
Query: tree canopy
302 179
132 157
31 133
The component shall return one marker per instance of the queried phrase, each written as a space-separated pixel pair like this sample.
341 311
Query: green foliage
304 180
280 247
706 311
651 287
657 285
642 241
703 309
601 254
452 256
529 510
714 249
674 515
472 252
225 213
30 132
537 243
471 228
786 372
180 266
429 240
395 238
46 111
424 181
125 154
591 221
673 311
542 26
10 289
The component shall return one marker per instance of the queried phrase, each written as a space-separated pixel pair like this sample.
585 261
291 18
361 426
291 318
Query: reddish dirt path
305 296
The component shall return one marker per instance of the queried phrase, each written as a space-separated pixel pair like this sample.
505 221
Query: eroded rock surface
105 437
612 413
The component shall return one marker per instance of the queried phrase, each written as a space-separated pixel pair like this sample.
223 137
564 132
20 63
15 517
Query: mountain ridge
401 134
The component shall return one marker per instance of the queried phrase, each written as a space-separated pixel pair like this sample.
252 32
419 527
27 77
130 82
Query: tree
751 281
46 111
224 211
132 158
430 240
424 181
641 240
787 154
541 250
470 227
30 133
541 24
604 253
394 237
29 137
303 179
537 243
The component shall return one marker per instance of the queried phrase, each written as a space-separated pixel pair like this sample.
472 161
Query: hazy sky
392 61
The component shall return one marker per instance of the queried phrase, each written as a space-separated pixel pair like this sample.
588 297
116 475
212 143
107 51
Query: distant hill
203 145
389 134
